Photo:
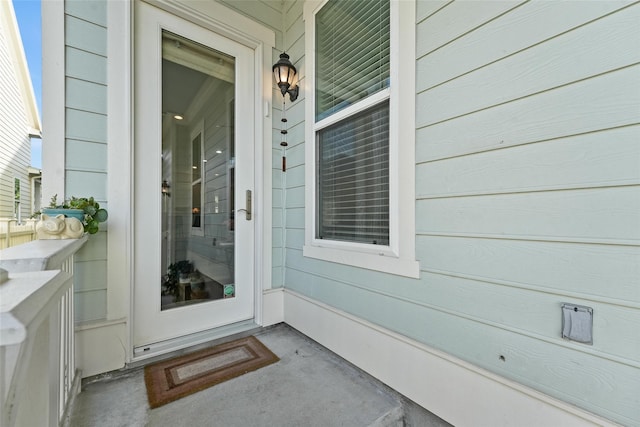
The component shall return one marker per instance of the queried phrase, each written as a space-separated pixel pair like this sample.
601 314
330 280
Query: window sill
378 262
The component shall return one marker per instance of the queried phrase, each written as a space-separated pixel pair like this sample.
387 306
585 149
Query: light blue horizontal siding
85 125
87 184
527 197
584 161
90 305
86 66
86 36
90 276
86 156
566 269
94 11
571 215
86 142
86 96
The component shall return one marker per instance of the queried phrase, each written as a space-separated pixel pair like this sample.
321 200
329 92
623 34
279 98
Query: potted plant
175 272
86 210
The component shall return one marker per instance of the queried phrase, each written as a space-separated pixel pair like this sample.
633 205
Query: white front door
193 180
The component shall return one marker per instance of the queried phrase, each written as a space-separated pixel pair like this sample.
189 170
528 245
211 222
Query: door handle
247 211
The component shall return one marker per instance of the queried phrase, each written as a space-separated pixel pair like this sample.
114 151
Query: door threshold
142 353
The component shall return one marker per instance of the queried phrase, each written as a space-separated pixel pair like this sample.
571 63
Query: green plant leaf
101 215
92 227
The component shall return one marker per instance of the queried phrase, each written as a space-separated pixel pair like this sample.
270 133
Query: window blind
352 53
353 178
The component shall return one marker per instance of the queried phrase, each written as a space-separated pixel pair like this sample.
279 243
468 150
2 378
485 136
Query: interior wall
210 257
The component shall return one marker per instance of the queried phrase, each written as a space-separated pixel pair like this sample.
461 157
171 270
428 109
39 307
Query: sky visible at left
29 21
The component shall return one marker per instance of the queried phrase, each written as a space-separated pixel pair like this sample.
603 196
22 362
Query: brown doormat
173 379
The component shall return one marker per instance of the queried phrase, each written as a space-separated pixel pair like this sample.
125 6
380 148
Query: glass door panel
198 164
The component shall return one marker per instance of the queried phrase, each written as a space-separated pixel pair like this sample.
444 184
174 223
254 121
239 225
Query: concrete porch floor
309 386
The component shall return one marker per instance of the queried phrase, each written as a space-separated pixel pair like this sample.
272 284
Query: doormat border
162 387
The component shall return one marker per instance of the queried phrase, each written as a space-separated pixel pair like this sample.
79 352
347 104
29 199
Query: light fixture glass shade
284 73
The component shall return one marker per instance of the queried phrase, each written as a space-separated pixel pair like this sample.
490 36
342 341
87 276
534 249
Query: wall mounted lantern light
284 74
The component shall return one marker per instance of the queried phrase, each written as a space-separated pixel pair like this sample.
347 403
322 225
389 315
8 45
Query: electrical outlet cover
577 323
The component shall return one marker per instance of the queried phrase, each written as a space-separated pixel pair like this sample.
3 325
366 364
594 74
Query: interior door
194 178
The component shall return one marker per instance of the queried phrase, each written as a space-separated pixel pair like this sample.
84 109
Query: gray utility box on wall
577 323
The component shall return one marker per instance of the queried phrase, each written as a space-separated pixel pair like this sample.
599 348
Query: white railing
38 376
67 368
13 234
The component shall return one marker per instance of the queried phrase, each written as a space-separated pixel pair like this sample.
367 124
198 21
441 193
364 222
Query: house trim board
53 100
273 306
119 161
100 346
457 391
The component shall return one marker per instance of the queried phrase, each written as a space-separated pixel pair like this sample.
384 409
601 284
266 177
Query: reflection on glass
198 164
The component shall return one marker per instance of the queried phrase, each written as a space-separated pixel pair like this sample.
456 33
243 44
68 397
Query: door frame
120 145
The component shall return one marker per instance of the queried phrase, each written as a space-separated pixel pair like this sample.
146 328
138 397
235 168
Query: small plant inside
172 279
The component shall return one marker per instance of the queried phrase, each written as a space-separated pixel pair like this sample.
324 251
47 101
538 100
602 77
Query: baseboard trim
100 346
272 306
454 390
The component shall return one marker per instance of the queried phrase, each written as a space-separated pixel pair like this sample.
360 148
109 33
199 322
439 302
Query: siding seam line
520 50
424 18
79 49
550 189
468 31
526 238
506 147
530 95
534 288
85 20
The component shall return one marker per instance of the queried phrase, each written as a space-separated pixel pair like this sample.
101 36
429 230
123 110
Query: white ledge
24 297
39 254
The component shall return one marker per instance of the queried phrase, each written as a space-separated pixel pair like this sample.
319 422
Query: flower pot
69 213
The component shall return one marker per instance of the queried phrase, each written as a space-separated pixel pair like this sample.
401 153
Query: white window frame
399 256
198 130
